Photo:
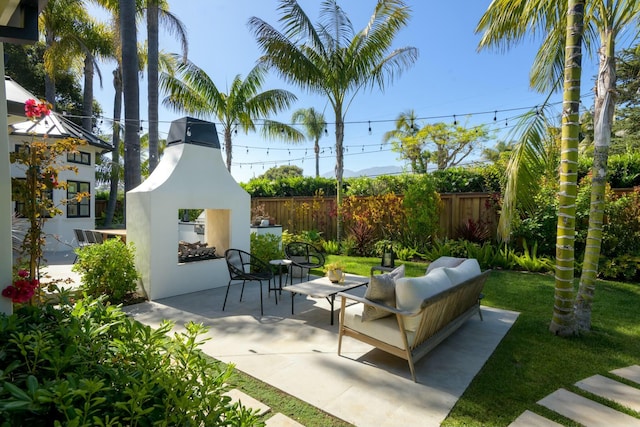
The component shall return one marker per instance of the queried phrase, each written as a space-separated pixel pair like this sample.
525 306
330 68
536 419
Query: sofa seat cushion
384 329
412 291
382 289
468 269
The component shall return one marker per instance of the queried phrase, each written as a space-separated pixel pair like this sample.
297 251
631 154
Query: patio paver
247 401
281 420
531 419
631 373
585 411
613 390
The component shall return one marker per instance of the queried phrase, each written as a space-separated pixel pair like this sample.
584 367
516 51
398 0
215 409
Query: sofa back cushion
466 270
411 291
445 261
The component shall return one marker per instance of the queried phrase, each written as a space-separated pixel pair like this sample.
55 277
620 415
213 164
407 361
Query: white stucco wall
188 177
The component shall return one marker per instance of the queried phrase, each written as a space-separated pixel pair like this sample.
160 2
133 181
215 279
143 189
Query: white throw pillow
465 271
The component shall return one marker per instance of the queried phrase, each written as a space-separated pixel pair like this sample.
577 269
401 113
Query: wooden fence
298 214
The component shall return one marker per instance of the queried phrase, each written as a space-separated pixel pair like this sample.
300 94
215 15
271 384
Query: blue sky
450 78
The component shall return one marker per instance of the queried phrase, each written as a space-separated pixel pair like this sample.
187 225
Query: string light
455 122
369 127
495 115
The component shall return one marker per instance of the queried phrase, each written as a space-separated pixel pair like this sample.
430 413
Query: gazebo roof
54 125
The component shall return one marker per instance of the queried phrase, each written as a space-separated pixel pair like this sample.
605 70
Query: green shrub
107 269
422 206
90 365
331 247
266 246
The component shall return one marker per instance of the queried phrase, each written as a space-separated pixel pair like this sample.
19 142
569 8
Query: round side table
280 263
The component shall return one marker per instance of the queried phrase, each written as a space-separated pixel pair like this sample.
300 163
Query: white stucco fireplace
190 175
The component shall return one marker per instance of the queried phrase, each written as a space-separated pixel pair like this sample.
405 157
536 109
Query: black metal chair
246 267
304 256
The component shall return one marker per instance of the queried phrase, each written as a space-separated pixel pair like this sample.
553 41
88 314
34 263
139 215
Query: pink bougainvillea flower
23 273
9 292
34 110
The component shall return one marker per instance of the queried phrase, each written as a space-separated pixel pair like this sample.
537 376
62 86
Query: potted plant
335 271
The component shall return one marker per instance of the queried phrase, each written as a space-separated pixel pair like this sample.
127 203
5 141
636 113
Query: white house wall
59 229
188 177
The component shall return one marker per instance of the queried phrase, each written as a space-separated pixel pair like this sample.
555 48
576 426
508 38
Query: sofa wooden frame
440 316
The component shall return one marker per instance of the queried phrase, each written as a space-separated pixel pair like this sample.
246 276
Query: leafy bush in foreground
107 269
90 365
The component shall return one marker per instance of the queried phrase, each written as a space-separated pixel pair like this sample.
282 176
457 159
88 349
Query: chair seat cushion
384 329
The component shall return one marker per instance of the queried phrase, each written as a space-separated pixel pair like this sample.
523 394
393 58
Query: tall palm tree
98 43
131 92
158 11
333 60
191 90
314 123
508 21
61 21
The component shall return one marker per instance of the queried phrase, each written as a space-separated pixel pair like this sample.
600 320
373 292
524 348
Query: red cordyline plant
39 158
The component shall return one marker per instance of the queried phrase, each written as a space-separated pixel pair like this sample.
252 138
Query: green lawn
529 363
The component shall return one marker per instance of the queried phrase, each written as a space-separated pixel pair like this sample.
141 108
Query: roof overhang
19 20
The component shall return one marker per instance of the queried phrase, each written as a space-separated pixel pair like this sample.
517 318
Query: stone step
531 419
631 373
247 401
613 390
585 411
281 420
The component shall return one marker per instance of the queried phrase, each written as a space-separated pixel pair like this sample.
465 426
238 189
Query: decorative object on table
335 272
388 256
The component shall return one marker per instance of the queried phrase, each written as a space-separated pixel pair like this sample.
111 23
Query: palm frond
527 159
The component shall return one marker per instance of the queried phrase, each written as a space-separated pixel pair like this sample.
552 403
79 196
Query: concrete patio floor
298 353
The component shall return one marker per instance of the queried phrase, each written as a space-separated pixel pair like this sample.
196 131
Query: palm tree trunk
115 154
339 171
316 150
131 91
563 321
152 81
603 120
227 146
49 81
87 95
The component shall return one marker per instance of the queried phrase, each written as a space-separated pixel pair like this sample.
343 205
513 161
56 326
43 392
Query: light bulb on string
455 121
363 148
369 127
267 151
495 115
189 131
506 123
247 150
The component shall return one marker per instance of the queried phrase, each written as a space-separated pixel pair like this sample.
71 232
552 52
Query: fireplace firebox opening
202 237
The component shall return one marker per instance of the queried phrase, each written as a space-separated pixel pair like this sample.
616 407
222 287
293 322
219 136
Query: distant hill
371 172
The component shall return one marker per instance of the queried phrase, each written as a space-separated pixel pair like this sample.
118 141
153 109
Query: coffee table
323 288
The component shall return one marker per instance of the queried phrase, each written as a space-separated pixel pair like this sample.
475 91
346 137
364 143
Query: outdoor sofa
409 316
